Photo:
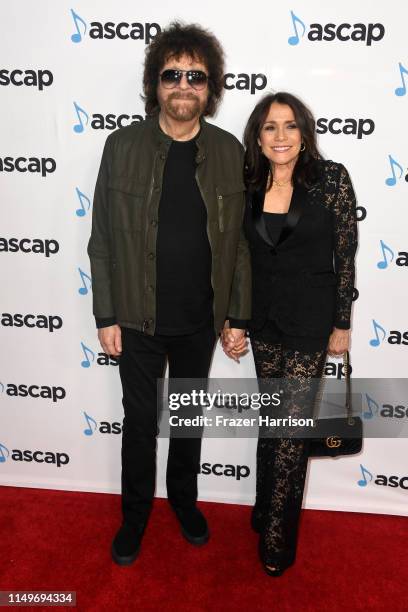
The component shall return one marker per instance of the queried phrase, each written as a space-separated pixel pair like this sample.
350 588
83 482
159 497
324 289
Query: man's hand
339 342
234 342
111 340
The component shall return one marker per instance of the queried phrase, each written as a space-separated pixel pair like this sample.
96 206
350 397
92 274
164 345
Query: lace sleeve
345 245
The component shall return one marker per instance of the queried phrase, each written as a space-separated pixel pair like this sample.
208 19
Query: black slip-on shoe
193 524
126 544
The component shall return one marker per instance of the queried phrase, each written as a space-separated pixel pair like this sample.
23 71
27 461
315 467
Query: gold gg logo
333 442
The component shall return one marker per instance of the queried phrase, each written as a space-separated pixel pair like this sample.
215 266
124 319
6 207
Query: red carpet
55 540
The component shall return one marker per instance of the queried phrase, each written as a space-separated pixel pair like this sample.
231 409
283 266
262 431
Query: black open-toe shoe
273 570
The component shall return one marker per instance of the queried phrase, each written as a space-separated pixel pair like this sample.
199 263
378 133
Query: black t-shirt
183 255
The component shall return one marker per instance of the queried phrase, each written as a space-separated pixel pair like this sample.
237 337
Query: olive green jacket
122 246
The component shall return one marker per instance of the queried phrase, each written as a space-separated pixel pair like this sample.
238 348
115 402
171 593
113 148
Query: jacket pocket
231 203
126 197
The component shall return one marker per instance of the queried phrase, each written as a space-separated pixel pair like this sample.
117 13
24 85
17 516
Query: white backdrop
351 73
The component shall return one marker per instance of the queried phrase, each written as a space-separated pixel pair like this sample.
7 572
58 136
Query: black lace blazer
305 281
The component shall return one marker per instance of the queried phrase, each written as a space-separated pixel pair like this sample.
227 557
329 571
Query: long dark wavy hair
178 40
257 166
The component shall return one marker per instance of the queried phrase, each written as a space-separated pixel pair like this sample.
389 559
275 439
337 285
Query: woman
300 223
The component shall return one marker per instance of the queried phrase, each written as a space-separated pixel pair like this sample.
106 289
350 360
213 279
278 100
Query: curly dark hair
257 166
177 40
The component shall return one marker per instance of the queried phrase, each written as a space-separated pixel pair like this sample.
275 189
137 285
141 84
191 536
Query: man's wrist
105 322
238 323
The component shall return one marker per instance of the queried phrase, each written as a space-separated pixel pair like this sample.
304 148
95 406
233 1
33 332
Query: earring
304 147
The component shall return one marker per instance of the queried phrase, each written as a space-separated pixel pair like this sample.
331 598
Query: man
169 263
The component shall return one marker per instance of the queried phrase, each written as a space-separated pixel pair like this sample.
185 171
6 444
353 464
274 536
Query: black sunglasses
196 78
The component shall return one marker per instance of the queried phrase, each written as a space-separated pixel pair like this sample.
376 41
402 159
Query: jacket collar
294 213
164 141
202 141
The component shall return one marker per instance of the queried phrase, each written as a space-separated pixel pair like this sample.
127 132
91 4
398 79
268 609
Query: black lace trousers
282 462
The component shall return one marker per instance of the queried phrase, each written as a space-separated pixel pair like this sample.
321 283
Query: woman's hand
234 342
339 342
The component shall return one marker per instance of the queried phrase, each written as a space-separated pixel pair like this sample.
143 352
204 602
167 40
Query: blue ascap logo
109 30
34 165
84 203
104 427
4 453
29 78
397 172
343 32
366 476
386 411
86 282
38 456
382 480
388 257
229 470
82 117
46 246
348 126
35 391
372 408
91 425
49 322
91 357
99 121
393 337
402 89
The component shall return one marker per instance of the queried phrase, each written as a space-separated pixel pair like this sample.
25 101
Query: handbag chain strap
346 368
319 394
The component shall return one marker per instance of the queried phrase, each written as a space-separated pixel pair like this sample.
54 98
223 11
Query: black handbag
338 436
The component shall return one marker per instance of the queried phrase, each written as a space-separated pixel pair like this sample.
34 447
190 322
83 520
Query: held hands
339 342
110 339
234 342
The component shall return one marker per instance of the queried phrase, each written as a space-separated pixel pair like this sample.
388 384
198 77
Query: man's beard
183 112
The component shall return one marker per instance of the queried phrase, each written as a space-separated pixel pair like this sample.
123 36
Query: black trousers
142 362
282 462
